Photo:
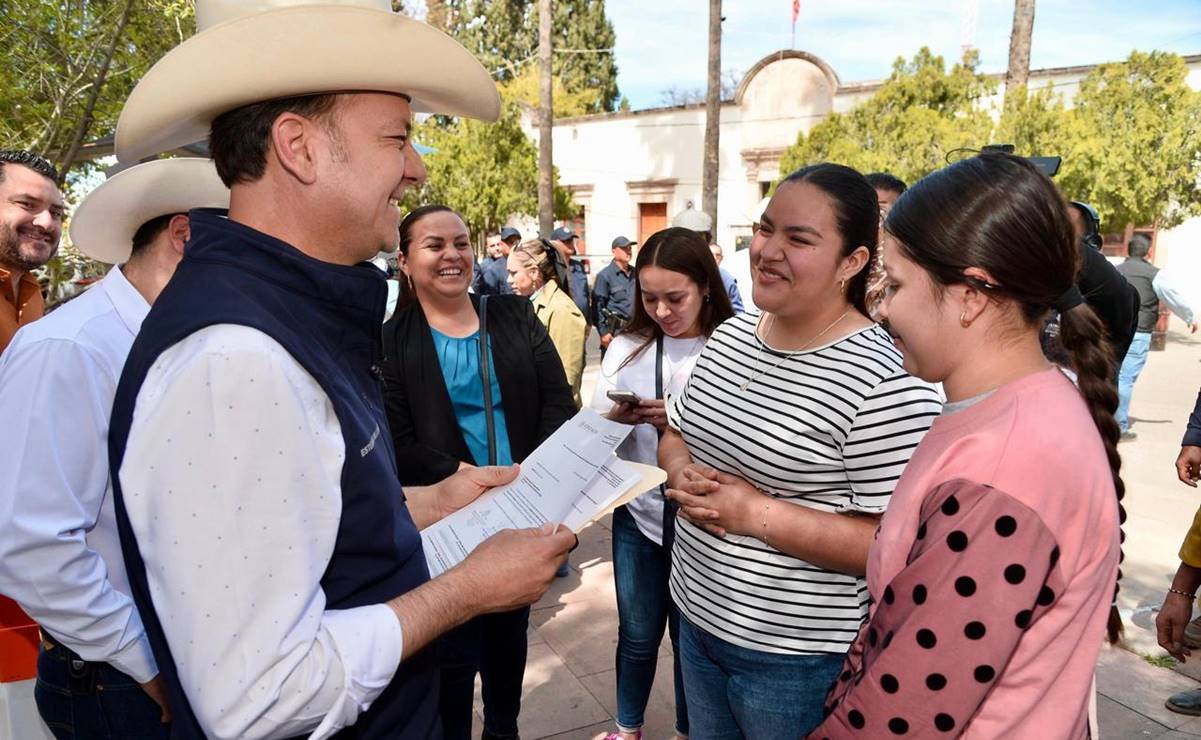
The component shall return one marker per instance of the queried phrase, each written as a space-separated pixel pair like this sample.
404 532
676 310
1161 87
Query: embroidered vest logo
370 443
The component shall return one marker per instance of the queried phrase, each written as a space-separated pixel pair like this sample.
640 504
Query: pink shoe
618 735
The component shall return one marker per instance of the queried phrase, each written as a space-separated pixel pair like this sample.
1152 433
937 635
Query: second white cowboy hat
103 225
247 51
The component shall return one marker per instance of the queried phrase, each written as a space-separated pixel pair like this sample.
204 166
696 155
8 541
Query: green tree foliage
1130 139
488 172
66 67
1135 142
503 34
921 113
567 102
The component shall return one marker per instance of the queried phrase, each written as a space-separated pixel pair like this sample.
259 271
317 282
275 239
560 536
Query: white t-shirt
679 357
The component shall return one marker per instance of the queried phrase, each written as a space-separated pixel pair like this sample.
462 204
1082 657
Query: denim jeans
735 692
640 572
1132 366
494 646
93 701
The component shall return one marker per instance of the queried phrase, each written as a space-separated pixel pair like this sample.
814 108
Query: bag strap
669 507
486 379
659 367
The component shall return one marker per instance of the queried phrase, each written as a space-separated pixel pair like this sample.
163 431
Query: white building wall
614 161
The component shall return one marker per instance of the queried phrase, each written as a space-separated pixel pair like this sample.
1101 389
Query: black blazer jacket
533 388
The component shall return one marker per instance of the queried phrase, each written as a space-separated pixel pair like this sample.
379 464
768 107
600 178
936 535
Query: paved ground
569 685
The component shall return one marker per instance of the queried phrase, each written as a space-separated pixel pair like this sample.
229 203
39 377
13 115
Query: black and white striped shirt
830 428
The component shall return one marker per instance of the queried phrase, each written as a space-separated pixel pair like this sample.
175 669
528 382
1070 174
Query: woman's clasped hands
718 502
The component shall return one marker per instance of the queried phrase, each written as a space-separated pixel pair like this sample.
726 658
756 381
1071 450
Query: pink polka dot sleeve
982 569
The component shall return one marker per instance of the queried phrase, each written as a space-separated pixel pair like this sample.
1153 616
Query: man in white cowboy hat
60 556
276 562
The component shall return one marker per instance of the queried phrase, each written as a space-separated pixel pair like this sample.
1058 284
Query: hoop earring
842 285
963 320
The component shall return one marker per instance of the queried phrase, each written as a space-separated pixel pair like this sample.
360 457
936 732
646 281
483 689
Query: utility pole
546 196
1019 52
709 173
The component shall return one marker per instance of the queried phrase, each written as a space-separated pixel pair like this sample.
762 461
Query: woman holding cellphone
679 300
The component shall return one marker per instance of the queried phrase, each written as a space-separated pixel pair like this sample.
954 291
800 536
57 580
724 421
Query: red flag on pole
796 10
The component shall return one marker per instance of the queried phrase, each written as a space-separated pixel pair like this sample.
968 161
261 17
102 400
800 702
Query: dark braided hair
999 213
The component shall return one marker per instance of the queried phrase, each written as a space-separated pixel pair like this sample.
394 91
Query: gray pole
709 174
546 196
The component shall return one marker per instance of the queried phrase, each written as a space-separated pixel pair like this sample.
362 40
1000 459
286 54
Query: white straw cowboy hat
248 51
103 225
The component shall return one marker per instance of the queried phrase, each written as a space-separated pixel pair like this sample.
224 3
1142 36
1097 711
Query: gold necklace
755 374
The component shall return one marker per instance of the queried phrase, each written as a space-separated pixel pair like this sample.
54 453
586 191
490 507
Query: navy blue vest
328 318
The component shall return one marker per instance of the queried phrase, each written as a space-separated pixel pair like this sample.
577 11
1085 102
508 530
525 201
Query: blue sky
662 43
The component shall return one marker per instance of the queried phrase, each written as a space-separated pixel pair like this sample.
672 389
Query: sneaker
1192 634
563 571
618 735
1128 435
1186 702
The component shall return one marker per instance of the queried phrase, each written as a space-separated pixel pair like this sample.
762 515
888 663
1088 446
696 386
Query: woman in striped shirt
782 451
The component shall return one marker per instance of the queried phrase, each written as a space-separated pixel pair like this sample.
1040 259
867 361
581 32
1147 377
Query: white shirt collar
130 305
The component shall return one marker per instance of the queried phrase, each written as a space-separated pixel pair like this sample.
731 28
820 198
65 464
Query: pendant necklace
755 374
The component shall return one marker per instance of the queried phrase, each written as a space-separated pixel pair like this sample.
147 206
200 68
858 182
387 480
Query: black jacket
533 388
1112 298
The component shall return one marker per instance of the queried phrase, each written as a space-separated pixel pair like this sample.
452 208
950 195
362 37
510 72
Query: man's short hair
149 231
1139 245
887 182
238 138
34 162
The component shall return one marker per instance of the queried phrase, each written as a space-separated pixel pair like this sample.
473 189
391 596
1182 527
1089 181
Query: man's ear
294 145
179 231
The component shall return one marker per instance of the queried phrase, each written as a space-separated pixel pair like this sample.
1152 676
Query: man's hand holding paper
572 478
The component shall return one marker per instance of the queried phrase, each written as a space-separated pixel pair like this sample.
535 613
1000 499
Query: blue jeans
735 692
1132 366
93 701
640 572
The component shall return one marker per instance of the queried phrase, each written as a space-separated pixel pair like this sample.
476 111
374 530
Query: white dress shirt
1174 292
60 557
232 483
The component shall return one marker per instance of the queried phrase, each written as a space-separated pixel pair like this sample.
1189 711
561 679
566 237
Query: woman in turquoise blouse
434 386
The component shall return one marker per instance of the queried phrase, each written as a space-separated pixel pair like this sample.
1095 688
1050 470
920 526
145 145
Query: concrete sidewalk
570 680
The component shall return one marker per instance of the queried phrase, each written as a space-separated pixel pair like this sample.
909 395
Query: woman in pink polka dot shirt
993 571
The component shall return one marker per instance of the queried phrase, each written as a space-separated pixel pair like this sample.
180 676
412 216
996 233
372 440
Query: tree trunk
712 115
546 196
1019 52
67 160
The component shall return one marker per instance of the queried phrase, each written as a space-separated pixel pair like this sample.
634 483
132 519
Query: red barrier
18 643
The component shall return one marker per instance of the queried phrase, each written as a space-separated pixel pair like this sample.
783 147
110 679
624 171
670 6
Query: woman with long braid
993 572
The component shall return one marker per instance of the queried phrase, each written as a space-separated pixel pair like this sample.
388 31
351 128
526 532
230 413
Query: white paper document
572 478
